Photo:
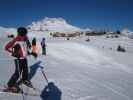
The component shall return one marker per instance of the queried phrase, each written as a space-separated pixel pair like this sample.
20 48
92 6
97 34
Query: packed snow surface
79 70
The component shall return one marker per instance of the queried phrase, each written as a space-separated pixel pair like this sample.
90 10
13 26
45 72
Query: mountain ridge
53 25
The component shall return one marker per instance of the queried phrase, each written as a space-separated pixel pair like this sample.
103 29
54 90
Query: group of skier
34 47
20 47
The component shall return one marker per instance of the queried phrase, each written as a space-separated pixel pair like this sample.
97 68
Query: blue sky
97 14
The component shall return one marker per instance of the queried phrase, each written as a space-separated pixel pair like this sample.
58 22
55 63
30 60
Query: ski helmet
22 31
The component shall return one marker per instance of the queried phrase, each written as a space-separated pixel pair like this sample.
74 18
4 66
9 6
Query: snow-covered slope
79 70
53 25
87 30
4 32
127 33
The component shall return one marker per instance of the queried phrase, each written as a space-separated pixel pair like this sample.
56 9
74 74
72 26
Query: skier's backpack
16 50
21 49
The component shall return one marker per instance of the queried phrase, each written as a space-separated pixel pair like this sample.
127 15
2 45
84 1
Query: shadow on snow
33 69
51 91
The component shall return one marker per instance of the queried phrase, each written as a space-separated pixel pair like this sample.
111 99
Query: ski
19 93
34 92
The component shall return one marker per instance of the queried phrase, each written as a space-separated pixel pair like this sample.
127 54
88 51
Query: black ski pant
43 50
21 71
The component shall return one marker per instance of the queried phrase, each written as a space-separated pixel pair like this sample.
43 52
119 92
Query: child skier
18 47
43 45
34 48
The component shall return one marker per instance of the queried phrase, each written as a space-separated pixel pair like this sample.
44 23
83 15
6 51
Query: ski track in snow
86 54
78 71
83 55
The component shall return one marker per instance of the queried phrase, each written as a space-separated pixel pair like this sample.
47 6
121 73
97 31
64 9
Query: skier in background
18 47
34 48
43 45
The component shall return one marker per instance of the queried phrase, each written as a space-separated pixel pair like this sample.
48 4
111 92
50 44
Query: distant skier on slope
18 47
34 48
43 45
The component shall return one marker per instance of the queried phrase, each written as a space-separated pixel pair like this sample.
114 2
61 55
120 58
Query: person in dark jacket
18 47
43 45
34 48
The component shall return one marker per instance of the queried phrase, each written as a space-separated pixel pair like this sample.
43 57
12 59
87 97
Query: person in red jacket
18 48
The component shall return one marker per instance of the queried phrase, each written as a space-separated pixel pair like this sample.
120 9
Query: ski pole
20 76
43 74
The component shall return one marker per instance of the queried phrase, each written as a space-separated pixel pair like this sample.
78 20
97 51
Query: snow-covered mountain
127 33
86 30
79 70
53 25
4 32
